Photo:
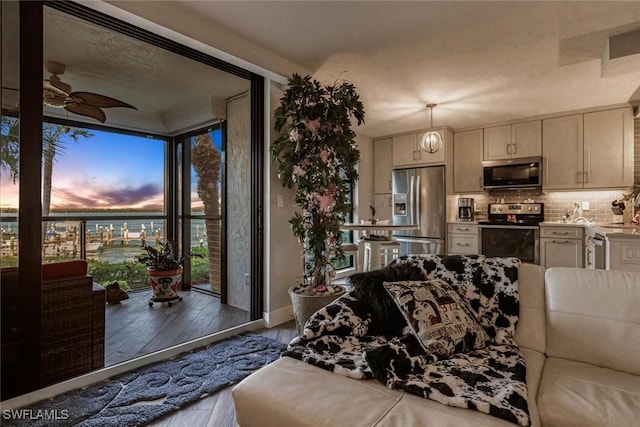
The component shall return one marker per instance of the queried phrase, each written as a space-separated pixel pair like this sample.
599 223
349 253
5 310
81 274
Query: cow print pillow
437 317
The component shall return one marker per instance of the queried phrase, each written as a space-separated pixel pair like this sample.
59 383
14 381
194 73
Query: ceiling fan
58 94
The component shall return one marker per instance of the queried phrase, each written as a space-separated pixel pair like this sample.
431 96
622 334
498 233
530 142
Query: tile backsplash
555 204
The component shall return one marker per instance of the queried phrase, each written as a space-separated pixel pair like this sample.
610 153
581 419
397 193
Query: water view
112 243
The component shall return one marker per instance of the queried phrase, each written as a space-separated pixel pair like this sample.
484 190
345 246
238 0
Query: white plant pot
305 305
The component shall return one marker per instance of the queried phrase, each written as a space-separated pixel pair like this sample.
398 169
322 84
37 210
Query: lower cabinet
624 254
462 239
562 246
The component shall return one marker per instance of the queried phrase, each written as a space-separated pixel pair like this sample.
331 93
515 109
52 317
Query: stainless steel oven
511 241
512 230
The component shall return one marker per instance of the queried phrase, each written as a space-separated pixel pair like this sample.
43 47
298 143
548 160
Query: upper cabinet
563 152
513 141
407 151
382 165
608 149
593 150
467 161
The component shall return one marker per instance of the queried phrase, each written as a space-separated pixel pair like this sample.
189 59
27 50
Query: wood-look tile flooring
134 329
217 410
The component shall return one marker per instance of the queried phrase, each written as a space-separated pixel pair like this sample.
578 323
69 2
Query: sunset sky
106 171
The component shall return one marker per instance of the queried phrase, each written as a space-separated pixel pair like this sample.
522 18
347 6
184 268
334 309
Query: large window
103 197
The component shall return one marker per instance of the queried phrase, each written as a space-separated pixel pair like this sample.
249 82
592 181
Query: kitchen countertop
463 222
610 231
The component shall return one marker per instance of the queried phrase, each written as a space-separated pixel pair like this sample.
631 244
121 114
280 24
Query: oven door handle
511 227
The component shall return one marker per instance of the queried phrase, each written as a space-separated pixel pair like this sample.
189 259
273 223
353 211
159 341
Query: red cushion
60 270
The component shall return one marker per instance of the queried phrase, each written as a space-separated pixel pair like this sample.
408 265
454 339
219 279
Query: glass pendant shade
432 141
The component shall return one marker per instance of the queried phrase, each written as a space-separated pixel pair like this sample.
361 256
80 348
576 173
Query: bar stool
352 249
386 247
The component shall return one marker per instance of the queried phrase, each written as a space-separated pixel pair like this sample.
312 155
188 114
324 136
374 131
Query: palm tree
10 146
206 163
53 137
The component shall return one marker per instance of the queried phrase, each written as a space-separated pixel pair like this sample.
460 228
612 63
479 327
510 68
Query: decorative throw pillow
368 287
437 316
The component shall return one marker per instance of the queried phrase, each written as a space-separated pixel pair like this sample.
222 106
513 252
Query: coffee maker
466 207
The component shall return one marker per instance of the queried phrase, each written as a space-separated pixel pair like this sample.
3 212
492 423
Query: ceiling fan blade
86 110
53 88
97 100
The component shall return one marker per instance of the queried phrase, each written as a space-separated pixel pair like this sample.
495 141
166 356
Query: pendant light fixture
432 141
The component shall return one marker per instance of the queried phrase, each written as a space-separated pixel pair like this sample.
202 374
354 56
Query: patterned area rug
138 397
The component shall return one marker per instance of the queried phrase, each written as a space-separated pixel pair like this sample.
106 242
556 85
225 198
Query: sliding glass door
161 185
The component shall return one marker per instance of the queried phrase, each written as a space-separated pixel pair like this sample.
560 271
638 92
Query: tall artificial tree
316 153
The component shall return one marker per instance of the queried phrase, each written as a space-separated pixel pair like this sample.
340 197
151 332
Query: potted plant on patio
316 154
165 270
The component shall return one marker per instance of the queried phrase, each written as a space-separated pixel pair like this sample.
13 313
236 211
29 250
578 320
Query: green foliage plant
316 154
163 257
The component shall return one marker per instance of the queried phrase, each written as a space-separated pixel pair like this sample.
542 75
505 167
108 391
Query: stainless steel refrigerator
419 198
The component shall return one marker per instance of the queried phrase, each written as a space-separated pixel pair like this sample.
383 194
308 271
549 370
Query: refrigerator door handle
416 195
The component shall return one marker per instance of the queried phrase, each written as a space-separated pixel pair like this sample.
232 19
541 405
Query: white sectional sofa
579 331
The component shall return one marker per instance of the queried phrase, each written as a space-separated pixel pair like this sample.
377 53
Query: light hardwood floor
217 410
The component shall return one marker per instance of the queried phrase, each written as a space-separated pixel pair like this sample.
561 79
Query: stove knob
500 209
529 208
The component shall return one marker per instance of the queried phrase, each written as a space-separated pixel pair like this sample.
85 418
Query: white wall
283 261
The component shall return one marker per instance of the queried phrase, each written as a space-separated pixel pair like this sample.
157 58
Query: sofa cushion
437 317
292 393
64 269
578 394
530 332
593 317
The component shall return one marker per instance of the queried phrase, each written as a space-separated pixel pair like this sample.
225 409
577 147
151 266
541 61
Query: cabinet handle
462 229
389 184
389 201
480 181
586 177
578 177
515 148
462 244
563 233
559 241
508 148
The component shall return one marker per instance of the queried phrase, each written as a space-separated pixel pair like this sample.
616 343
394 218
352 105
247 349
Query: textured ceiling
482 62
159 83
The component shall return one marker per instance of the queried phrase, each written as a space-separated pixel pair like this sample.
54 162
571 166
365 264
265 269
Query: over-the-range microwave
520 173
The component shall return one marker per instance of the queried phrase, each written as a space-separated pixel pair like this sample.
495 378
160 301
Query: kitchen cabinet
562 246
562 143
624 254
382 165
462 239
382 203
407 152
513 141
593 150
467 161
608 149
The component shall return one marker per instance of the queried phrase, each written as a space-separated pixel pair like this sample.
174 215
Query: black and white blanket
364 335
